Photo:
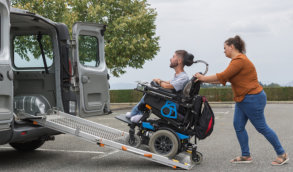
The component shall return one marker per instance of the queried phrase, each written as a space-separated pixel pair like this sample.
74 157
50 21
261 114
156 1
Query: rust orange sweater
242 75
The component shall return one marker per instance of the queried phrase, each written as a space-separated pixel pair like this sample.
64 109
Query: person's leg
239 123
136 118
254 109
135 110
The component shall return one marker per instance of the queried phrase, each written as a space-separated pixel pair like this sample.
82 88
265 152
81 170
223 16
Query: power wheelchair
177 114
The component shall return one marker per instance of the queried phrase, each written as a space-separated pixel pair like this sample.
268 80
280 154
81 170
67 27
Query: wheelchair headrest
188 59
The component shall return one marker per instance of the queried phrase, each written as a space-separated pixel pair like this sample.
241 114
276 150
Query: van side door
6 74
89 59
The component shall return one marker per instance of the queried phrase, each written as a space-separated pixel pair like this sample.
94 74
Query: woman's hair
187 57
238 43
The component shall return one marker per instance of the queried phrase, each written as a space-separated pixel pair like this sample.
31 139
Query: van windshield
28 53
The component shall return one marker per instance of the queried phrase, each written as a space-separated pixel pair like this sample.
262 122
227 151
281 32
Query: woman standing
249 97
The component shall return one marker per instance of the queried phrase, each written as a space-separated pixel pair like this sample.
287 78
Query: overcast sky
201 27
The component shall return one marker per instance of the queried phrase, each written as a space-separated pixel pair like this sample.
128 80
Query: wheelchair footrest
123 118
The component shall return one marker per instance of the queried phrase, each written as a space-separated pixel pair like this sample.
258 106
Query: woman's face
228 50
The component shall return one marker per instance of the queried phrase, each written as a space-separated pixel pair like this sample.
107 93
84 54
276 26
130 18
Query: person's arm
221 78
164 84
209 79
216 82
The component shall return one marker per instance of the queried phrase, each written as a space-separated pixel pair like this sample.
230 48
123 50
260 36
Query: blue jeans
135 110
252 108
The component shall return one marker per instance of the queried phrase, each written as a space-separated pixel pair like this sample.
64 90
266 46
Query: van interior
33 47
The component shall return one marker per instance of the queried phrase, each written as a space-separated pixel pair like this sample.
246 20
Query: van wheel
28 146
164 142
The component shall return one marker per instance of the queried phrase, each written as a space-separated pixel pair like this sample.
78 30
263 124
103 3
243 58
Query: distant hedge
279 94
123 96
213 94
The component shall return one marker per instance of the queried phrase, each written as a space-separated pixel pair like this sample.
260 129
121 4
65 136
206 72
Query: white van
41 69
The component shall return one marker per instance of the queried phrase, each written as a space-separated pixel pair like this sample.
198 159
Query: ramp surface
106 136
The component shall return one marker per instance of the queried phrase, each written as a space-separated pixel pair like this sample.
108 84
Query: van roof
18 11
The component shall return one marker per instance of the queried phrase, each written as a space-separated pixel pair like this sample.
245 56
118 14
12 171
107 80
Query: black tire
28 146
198 158
136 143
165 143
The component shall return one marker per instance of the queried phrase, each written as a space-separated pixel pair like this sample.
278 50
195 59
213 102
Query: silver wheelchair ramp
105 136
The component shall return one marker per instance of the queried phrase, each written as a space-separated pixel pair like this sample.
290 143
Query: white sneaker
136 118
128 114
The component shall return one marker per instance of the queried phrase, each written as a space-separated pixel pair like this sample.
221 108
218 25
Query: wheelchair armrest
171 91
156 85
164 92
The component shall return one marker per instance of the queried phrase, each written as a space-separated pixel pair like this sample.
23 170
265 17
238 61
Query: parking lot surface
69 153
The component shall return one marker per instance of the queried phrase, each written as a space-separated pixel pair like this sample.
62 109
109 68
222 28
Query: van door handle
10 75
1 77
84 79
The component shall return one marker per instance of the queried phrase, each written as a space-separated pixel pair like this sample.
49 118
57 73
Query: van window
28 54
88 48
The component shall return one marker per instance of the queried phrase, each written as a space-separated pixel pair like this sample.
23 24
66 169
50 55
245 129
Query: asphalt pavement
69 153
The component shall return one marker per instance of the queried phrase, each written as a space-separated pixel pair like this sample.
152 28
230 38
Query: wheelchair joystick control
154 84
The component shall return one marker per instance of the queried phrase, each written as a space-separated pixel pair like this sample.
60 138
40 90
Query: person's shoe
136 118
128 114
281 160
242 160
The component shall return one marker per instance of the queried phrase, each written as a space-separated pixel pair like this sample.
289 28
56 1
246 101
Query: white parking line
69 151
222 112
105 155
106 118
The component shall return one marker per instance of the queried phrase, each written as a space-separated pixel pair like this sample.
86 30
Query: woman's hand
199 76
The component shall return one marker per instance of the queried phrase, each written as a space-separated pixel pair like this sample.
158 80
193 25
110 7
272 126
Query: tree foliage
26 45
130 37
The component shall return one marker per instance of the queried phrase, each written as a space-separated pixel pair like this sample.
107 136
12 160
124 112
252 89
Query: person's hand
199 76
157 80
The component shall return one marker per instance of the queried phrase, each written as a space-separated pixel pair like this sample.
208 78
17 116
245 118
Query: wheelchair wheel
197 158
134 143
164 142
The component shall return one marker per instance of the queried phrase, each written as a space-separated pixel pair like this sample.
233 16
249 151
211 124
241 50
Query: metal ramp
105 136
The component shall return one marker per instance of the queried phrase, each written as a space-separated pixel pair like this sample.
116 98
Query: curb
121 106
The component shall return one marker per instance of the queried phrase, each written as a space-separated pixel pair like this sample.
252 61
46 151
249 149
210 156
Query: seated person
180 78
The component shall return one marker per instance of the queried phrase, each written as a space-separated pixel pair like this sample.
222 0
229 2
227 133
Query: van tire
28 146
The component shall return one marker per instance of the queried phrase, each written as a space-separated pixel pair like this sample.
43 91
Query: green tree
130 37
273 85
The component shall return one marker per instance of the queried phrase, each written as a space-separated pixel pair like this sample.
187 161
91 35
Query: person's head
181 58
234 45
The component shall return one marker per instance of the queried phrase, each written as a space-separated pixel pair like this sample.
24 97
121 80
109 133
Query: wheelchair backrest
191 88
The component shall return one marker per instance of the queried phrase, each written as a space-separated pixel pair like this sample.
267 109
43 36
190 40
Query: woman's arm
217 82
209 79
